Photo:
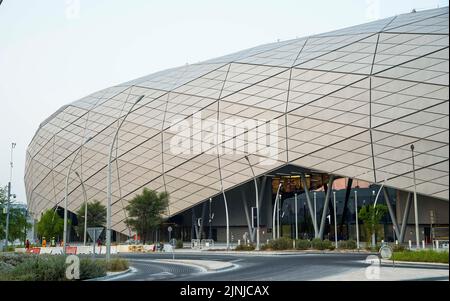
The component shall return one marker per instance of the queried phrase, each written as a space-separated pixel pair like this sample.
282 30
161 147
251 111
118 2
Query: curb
431 264
107 277
204 267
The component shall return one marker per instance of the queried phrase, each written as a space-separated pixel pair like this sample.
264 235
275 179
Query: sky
53 52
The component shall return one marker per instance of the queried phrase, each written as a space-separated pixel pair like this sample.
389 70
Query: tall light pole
335 221
109 181
296 217
257 204
66 195
416 214
356 219
85 206
275 211
315 212
13 146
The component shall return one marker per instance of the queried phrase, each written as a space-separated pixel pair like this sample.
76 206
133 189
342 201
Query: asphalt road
297 267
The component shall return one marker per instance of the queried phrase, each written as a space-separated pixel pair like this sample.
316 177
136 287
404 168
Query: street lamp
275 210
335 221
13 146
109 181
85 206
356 219
67 193
257 204
416 216
211 217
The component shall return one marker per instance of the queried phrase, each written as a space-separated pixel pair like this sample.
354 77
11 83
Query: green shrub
265 247
398 248
40 268
179 244
245 247
282 243
117 264
302 244
421 256
90 268
347 244
25 267
319 244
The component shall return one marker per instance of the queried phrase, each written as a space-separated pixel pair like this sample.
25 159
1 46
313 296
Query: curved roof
348 102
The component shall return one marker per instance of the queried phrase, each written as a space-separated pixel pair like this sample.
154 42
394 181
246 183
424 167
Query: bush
245 247
179 244
319 244
302 244
40 268
347 244
117 264
25 267
398 248
90 268
421 256
282 243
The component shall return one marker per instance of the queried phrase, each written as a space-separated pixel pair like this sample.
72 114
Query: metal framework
348 102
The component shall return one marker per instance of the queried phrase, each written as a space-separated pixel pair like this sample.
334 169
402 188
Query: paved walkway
403 271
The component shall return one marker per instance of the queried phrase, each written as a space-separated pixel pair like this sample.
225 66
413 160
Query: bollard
410 244
239 242
423 244
396 242
437 244
267 241
293 243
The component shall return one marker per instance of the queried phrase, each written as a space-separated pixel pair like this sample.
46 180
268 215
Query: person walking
27 244
44 242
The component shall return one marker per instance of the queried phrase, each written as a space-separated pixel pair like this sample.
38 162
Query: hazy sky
53 52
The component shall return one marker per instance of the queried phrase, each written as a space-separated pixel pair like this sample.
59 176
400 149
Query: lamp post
67 194
13 146
356 219
335 220
85 206
416 214
257 204
315 212
109 181
296 217
211 216
275 211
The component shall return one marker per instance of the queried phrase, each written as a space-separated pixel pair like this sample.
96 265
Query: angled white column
325 206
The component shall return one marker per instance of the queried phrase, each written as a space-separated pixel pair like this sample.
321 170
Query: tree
51 225
371 217
96 216
145 212
17 220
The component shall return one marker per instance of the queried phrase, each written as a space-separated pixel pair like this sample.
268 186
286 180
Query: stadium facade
326 117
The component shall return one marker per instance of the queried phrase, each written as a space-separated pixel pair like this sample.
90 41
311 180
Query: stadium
307 130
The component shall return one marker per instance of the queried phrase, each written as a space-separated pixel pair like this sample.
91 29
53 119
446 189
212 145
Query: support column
310 206
405 218
391 212
247 217
344 212
325 207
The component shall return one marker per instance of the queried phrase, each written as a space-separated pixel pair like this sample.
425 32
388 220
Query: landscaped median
285 243
421 256
31 267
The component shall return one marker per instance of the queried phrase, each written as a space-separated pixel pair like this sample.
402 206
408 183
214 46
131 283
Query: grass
421 256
